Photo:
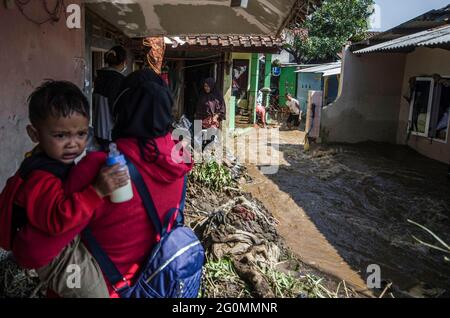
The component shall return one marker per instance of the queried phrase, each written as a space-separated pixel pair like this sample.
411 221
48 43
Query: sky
391 13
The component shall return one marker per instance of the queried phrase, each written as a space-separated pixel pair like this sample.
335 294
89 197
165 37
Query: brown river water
359 198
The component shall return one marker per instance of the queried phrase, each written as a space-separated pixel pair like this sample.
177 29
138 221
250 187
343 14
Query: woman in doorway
106 89
211 105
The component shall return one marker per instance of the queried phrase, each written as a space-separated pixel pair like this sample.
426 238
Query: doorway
195 73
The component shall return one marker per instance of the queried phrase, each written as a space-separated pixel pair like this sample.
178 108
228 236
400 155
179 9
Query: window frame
448 123
429 107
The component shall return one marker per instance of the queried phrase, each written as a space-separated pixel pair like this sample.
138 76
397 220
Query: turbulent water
360 197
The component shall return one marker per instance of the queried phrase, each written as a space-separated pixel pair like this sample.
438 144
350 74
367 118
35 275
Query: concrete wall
283 57
423 62
29 54
368 106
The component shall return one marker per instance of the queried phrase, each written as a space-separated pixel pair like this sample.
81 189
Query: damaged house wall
368 106
424 62
30 54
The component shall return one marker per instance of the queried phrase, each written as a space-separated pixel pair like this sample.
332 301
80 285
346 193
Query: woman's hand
110 179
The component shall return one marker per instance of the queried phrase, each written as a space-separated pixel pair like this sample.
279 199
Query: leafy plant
212 175
276 63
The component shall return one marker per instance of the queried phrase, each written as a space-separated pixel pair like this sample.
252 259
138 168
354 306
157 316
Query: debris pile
15 282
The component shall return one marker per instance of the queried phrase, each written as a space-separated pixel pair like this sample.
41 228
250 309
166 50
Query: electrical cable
53 14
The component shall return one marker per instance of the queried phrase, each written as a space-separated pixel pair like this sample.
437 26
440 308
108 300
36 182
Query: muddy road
356 199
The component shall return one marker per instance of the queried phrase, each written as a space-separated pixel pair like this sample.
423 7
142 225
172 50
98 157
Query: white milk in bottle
124 193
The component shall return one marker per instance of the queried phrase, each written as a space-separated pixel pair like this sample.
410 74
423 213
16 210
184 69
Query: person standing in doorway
107 87
294 109
211 105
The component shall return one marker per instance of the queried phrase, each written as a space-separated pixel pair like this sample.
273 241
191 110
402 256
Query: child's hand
110 179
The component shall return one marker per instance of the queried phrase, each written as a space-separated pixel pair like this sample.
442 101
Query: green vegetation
212 175
328 29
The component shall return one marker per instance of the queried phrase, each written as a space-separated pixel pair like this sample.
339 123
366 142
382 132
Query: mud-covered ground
360 198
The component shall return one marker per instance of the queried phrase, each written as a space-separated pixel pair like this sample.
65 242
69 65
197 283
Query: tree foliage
328 29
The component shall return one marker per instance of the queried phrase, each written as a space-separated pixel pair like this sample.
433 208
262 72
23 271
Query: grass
221 280
445 247
307 286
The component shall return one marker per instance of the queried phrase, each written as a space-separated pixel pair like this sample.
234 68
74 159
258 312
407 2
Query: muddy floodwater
360 197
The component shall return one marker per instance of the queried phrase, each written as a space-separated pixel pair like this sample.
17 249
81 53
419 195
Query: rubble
16 282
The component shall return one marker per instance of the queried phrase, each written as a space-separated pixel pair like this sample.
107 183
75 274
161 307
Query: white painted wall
284 57
369 103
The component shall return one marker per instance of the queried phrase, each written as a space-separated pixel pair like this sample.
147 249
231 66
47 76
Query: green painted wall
267 78
254 74
268 70
288 83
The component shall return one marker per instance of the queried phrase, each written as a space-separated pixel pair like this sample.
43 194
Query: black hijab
143 109
215 92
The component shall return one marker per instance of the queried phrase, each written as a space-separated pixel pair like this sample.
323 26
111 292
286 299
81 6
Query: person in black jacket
107 87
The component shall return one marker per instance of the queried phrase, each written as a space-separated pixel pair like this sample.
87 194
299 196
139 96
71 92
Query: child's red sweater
49 209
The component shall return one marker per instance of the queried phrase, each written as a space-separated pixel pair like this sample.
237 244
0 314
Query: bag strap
179 221
108 267
180 216
145 197
104 261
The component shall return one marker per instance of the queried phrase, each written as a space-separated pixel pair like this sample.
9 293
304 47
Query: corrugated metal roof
430 37
326 69
334 71
429 20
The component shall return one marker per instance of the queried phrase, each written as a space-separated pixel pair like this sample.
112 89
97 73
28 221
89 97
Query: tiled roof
225 41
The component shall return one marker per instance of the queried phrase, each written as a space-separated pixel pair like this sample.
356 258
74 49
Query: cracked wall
29 54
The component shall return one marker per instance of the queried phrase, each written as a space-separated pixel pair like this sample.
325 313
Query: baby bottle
124 193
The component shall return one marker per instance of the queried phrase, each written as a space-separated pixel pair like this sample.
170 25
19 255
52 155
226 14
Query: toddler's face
61 138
